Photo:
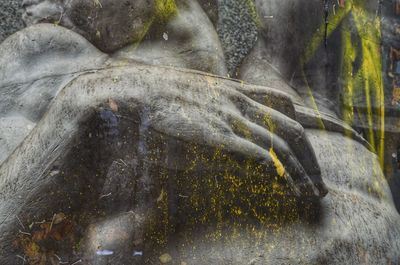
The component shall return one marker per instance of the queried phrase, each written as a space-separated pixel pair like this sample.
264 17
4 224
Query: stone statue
123 143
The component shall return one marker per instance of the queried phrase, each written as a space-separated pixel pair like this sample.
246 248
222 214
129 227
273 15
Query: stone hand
200 109
243 120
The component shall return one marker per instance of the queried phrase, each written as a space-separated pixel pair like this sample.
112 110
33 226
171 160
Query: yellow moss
242 129
143 33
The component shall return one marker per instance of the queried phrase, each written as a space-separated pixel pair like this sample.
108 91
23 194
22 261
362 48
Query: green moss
253 12
165 10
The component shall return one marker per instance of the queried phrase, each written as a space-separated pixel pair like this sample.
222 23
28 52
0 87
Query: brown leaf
58 218
113 105
38 235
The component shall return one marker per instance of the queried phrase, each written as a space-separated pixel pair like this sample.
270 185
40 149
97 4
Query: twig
76 262
20 222
23 259
35 223
123 162
59 259
5 219
105 195
52 221
25 233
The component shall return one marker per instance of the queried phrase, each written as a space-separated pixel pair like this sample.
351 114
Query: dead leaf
58 218
113 105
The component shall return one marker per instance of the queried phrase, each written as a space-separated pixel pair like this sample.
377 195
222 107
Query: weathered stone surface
10 18
185 199
110 161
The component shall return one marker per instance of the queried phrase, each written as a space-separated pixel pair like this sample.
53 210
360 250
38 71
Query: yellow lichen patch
242 129
280 169
224 202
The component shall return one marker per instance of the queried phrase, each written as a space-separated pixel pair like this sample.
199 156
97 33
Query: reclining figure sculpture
123 143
